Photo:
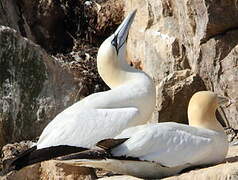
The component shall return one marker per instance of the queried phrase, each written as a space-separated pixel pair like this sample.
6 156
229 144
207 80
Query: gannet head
202 108
111 62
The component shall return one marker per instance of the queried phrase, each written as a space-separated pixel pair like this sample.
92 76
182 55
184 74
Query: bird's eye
114 41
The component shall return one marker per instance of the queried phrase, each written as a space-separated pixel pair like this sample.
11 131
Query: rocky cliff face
33 87
56 25
173 36
186 46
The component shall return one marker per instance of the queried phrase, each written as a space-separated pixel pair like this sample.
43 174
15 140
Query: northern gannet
130 102
163 149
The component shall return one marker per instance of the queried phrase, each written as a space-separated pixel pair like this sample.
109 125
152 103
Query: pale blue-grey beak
225 101
121 34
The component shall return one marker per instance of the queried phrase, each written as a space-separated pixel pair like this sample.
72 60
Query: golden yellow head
111 61
202 108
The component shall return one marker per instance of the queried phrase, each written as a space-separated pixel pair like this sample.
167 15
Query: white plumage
130 101
172 144
165 149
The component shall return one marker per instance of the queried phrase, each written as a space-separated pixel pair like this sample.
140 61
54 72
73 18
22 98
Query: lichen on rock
22 77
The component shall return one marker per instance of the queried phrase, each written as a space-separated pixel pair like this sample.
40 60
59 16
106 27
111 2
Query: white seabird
163 149
130 102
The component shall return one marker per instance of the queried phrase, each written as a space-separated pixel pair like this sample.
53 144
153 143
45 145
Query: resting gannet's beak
222 100
121 34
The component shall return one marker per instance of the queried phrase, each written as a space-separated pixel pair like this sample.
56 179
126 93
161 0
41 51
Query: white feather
163 149
130 101
173 144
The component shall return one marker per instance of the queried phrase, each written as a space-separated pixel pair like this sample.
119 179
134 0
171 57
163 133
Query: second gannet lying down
130 102
163 149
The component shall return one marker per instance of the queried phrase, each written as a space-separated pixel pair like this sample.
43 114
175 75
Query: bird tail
103 152
34 155
91 158
88 154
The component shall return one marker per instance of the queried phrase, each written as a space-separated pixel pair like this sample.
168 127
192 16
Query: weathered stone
174 93
47 22
58 170
218 66
56 27
122 177
10 150
51 170
168 36
33 87
9 14
103 17
30 173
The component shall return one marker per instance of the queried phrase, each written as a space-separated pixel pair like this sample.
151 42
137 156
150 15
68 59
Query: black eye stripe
115 42
121 46
123 43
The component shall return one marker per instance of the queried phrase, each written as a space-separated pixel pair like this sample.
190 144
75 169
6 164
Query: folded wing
84 128
169 144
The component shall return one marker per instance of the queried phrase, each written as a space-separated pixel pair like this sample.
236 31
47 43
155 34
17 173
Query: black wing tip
88 154
110 143
34 155
11 164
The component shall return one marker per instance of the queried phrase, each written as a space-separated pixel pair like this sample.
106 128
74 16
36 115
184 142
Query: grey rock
11 16
33 88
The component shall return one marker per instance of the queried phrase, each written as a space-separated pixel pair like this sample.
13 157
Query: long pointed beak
225 101
121 34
